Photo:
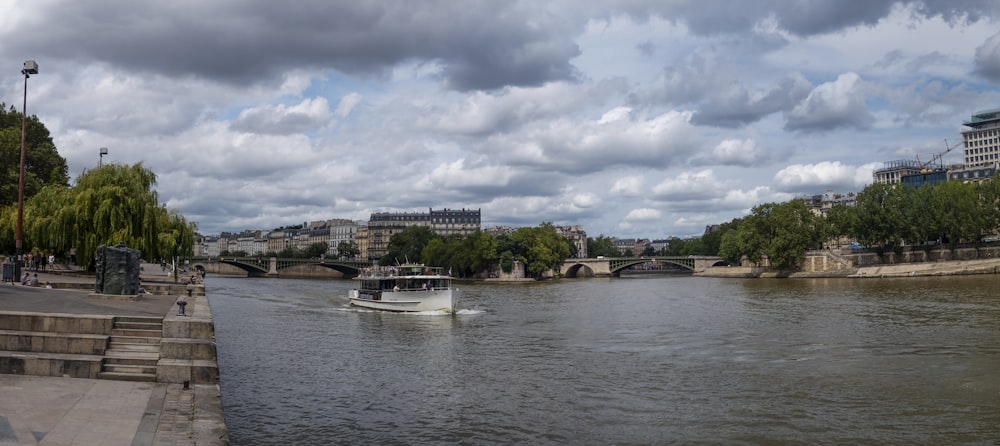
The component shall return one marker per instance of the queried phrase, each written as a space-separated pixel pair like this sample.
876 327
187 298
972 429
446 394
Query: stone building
383 225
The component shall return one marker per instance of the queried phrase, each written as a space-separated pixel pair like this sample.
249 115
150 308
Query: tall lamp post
30 67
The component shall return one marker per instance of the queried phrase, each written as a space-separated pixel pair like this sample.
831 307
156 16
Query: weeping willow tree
109 205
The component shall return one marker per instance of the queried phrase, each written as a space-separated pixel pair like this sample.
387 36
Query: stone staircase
133 349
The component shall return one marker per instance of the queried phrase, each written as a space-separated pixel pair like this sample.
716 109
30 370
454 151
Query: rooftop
982 117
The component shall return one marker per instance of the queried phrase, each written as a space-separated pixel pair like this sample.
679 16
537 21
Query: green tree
109 205
43 166
347 250
407 245
880 214
481 251
601 246
712 240
989 202
957 212
315 250
841 220
731 247
922 222
289 252
544 248
782 232
439 252
462 256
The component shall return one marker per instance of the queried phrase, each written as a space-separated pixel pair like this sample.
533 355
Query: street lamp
104 151
30 67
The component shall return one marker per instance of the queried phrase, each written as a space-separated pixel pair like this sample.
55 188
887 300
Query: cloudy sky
632 118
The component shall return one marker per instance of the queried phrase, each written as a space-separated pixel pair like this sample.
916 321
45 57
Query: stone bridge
612 266
272 266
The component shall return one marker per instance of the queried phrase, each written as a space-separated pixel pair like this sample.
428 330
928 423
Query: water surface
668 360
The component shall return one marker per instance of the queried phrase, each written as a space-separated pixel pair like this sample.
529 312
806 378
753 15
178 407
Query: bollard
180 307
190 288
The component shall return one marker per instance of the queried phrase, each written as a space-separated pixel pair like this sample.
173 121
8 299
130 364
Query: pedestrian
34 280
25 278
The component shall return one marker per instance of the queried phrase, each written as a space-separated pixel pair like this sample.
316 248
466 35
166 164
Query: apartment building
383 225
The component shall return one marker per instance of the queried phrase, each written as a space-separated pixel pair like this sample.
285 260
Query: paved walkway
54 411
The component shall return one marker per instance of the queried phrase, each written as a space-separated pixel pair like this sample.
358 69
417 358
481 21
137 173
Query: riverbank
923 269
45 331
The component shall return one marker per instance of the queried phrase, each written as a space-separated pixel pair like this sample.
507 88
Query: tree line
884 218
539 248
108 205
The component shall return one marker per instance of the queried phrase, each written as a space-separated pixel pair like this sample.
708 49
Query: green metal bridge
270 266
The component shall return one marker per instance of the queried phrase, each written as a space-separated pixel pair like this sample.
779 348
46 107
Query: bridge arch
579 270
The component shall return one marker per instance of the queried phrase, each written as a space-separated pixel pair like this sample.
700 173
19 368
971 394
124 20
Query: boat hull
406 301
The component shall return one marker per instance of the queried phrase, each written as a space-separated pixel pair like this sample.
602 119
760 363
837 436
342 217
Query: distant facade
973 174
383 225
631 246
577 237
982 139
342 231
925 178
892 172
981 156
361 241
820 204
455 222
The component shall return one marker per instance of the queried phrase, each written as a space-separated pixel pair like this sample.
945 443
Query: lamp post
30 67
104 151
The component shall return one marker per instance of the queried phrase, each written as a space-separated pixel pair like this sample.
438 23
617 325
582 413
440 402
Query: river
635 361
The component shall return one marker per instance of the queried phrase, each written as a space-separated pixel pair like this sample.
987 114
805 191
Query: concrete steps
133 349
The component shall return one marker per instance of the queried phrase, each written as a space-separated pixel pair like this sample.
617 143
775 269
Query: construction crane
926 167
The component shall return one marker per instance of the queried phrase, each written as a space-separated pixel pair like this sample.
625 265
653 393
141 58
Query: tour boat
404 288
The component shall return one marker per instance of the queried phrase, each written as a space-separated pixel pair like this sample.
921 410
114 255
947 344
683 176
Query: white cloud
700 185
597 114
737 152
832 105
630 186
347 103
803 178
281 119
643 214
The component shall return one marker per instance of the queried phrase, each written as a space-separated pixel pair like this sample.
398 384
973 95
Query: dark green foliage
43 165
109 205
407 245
347 250
782 232
316 250
601 246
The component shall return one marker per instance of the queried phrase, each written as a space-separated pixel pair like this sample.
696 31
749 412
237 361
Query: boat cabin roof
408 270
